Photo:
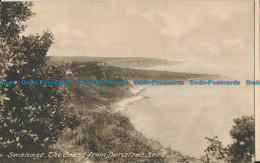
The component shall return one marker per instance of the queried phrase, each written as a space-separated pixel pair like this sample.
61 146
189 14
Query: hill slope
101 128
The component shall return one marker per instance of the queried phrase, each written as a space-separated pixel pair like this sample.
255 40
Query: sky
175 30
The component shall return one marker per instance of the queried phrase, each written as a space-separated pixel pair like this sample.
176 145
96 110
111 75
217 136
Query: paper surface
130 81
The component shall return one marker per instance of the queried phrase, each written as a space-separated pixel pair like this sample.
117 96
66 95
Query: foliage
103 131
243 133
215 152
242 148
30 116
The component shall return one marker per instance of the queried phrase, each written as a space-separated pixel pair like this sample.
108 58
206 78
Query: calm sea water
181 117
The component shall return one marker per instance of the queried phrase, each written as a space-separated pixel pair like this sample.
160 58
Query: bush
31 117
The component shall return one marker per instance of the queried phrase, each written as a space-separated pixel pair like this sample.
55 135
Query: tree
215 152
30 116
242 148
243 133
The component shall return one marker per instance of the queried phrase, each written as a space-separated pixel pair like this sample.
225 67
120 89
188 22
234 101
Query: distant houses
93 69
68 72
101 64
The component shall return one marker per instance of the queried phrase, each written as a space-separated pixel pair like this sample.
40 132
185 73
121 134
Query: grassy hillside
101 129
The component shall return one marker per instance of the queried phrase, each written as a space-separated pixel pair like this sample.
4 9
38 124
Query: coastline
135 91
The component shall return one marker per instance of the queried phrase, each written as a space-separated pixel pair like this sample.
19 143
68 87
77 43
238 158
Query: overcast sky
176 30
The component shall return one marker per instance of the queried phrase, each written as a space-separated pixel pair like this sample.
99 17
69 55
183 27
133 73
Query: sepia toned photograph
127 81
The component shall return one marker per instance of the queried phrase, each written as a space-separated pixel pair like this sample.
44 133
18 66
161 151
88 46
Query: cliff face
101 128
105 94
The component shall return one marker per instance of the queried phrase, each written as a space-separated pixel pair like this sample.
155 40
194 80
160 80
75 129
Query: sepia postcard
129 81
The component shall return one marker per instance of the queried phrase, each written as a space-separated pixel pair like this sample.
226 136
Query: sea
180 117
